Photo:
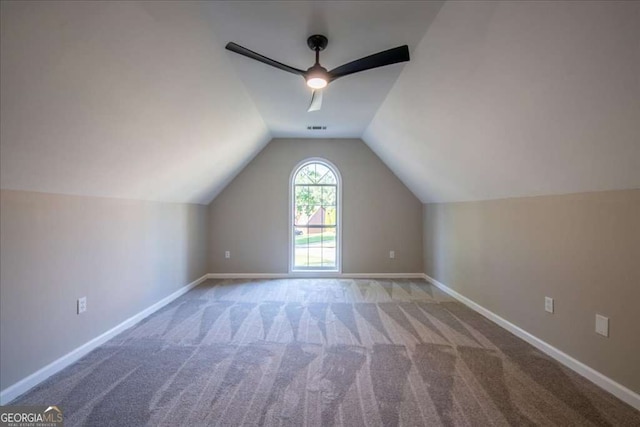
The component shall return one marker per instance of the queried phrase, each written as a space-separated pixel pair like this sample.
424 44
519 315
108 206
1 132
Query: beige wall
122 255
250 217
583 250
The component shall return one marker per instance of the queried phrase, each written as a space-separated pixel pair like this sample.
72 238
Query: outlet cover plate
548 304
602 325
82 305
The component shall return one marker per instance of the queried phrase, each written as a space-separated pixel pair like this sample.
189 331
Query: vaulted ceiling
141 101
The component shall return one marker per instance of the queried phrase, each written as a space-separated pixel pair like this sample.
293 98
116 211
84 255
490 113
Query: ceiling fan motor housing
317 42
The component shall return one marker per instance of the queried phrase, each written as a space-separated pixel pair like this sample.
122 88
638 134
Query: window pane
321 171
300 217
328 237
316 217
329 257
307 195
301 237
303 204
302 176
313 173
316 194
330 215
327 178
301 257
328 197
301 241
329 247
315 255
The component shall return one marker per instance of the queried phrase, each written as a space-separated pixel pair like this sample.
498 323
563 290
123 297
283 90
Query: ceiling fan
317 77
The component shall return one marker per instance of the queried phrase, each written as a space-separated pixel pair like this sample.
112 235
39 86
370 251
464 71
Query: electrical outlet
602 325
548 304
227 254
392 254
82 305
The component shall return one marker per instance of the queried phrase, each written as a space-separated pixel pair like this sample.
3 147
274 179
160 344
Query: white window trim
291 213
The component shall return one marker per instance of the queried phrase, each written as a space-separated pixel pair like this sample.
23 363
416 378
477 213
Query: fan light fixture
317 77
316 82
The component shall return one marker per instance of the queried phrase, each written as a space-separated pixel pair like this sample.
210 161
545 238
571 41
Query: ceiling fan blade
380 59
253 55
316 101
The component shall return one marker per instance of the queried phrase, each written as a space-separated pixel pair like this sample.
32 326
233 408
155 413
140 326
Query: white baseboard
22 386
383 275
246 275
315 275
618 390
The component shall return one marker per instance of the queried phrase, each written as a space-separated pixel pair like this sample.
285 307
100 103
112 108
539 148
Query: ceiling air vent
316 128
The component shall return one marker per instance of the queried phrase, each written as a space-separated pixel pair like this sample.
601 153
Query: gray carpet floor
322 352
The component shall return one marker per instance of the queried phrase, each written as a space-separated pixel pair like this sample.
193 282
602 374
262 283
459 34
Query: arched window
315 217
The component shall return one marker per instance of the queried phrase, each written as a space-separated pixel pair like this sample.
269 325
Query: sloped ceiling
517 99
121 99
140 100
